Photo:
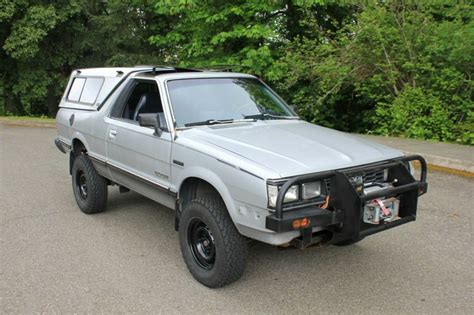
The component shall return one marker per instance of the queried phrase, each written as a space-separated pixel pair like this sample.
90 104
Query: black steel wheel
201 243
213 250
90 189
81 183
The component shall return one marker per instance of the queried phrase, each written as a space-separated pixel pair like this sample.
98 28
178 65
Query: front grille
327 182
375 176
372 176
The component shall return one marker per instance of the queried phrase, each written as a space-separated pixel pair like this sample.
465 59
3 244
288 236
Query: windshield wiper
217 121
209 122
264 116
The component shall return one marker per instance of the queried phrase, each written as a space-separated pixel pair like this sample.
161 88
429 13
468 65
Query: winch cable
326 203
385 210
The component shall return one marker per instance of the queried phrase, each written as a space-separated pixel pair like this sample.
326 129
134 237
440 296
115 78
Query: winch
381 210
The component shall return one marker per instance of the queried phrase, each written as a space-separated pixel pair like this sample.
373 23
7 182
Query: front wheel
213 250
90 189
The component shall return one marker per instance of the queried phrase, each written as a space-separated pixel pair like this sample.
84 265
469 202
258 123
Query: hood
292 147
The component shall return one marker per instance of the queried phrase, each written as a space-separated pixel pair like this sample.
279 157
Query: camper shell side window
84 90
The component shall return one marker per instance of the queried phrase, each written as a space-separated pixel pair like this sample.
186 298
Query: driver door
137 158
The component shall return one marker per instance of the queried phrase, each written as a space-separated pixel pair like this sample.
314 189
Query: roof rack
167 68
173 68
213 68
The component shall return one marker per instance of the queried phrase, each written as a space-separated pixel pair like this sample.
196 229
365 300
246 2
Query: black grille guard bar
419 185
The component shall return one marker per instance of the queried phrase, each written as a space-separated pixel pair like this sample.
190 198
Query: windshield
223 99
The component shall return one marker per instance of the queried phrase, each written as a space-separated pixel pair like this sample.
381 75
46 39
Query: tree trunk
293 17
52 102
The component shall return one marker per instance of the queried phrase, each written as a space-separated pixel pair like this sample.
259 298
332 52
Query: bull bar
343 216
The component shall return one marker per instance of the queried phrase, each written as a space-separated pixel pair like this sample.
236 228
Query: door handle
112 133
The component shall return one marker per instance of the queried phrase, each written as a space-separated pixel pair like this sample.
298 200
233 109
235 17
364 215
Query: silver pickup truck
232 159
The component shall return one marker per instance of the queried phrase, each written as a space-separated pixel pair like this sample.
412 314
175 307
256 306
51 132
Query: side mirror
151 120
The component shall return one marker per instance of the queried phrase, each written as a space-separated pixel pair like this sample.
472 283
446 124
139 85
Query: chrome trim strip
136 176
96 159
240 169
139 177
213 157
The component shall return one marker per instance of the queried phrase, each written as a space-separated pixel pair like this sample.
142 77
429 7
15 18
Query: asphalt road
56 259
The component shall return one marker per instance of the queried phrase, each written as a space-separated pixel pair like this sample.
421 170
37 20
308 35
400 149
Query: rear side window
85 90
76 89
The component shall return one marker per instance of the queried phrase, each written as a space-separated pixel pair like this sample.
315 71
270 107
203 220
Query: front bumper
344 215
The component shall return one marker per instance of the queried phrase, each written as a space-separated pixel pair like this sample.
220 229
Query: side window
76 89
85 90
91 90
139 98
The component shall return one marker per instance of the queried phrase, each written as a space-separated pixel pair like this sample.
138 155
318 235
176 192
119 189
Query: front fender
214 180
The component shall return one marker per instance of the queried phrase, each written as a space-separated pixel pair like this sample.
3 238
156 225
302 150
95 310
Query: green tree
207 33
369 69
43 41
390 67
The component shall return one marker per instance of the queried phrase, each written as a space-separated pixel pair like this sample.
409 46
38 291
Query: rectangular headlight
291 195
311 190
272 195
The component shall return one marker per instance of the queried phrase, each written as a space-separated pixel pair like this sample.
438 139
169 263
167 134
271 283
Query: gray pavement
447 155
127 259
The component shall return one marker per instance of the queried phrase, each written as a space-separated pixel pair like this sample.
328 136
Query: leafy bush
391 67
414 114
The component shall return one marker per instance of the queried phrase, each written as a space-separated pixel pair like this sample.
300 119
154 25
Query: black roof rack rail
158 68
212 68
177 69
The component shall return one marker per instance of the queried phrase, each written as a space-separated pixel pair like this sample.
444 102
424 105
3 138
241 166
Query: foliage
394 69
389 67
43 41
220 33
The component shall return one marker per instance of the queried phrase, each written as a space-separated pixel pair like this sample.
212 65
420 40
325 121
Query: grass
27 118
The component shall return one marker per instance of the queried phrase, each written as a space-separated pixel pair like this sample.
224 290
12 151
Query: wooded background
400 68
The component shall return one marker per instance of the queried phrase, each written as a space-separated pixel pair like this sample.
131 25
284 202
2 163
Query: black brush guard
344 215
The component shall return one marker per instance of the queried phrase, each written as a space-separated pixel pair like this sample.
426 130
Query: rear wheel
213 250
90 189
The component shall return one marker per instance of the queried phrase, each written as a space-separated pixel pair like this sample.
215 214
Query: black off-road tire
230 247
94 198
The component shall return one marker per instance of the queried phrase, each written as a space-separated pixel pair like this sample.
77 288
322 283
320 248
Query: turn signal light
300 223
